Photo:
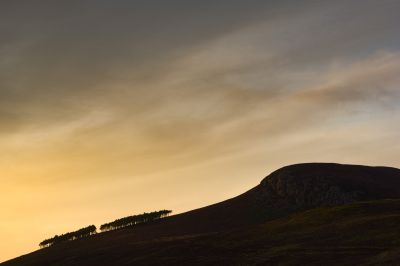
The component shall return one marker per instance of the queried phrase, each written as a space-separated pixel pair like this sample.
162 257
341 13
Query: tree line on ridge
83 232
134 220
117 224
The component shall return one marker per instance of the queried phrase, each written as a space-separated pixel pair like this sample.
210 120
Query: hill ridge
288 190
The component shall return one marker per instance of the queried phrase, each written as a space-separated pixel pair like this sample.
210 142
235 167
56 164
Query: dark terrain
305 214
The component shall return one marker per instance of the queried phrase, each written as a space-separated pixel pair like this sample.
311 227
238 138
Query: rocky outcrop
324 184
312 191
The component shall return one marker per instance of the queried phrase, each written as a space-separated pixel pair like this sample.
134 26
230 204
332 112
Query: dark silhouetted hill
308 213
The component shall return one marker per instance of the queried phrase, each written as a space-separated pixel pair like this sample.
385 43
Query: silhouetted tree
134 220
83 232
119 223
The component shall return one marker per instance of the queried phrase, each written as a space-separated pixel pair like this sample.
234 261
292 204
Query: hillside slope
235 223
366 233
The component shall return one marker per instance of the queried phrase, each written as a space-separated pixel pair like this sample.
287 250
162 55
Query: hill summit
327 184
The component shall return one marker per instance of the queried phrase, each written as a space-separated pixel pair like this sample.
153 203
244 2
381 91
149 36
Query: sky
112 108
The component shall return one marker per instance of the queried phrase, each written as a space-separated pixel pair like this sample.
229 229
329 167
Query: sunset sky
111 108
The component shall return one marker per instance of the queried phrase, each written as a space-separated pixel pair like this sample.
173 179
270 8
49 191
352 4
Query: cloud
210 97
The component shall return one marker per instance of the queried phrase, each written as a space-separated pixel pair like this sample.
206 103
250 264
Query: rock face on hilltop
324 184
305 186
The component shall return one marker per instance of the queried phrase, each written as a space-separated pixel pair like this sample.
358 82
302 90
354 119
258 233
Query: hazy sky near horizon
109 108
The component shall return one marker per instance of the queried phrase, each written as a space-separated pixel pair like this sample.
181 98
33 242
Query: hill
305 212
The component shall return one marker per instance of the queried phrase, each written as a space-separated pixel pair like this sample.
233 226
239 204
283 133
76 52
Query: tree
135 220
83 232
